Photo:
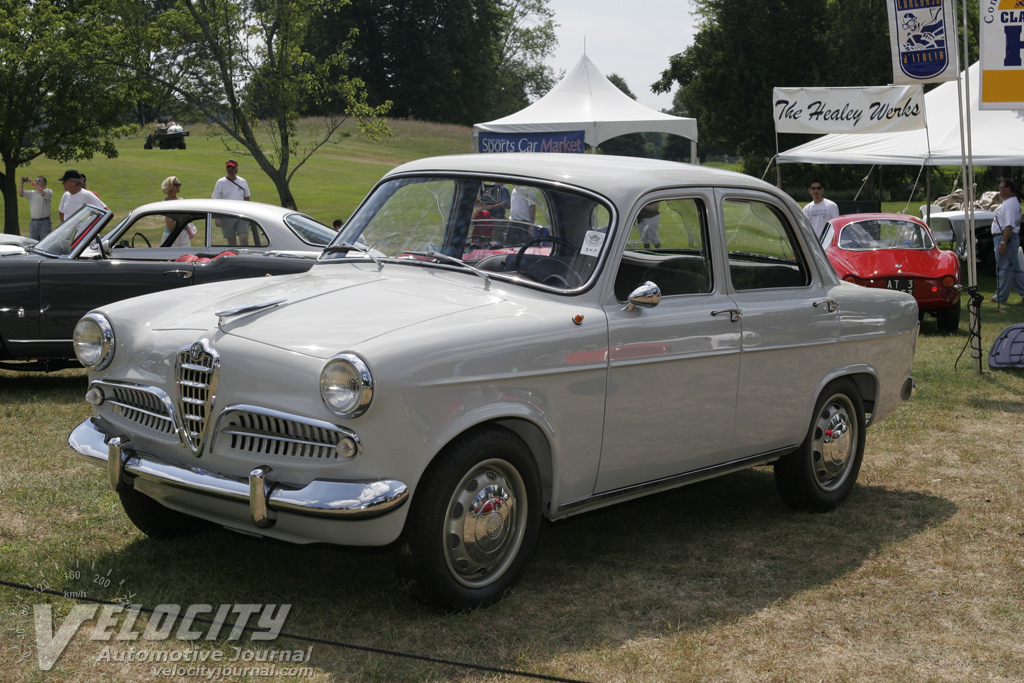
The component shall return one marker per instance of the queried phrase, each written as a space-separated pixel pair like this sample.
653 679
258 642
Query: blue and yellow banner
923 38
1001 54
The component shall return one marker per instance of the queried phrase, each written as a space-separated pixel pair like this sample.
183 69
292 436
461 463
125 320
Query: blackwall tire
820 474
157 521
473 522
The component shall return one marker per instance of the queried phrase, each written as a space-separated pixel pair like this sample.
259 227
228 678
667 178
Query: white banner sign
1001 54
848 110
923 41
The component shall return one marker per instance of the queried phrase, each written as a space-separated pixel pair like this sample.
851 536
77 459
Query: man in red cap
233 186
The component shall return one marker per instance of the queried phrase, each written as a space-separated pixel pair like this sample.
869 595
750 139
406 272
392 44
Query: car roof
256 210
613 176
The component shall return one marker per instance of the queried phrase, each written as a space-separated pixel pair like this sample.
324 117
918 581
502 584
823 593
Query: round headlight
94 341
346 386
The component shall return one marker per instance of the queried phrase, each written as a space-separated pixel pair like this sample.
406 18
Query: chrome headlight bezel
346 386
93 341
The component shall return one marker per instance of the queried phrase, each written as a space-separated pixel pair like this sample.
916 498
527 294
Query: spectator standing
647 222
819 209
75 195
523 205
171 187
495 200
1006 237
233 186
40 201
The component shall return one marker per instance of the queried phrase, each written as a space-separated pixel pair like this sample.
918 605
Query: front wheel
820 474
157 521
474 521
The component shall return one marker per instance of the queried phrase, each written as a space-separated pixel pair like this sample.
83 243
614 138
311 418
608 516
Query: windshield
66 236
309 230
526 232
871 235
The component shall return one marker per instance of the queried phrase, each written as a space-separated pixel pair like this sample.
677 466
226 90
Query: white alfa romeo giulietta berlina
490 340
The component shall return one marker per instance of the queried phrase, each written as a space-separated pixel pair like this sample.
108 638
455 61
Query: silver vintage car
491 340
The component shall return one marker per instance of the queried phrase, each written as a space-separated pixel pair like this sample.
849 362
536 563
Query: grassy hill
328 186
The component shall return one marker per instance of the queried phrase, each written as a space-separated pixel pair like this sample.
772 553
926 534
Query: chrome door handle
734 313
183 274
831 304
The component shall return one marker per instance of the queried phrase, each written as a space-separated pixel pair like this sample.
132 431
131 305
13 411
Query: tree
630 144
526 37
742 49
240 64
59 100
449 61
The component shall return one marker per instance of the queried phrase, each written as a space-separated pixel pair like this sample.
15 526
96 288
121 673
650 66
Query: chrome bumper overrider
345 500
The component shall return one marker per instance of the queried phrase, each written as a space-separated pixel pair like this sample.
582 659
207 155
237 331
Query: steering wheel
548 238
144 239
478 242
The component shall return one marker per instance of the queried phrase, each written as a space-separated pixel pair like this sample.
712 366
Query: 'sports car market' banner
565 141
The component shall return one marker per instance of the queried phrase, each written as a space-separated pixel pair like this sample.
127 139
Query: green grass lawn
328 186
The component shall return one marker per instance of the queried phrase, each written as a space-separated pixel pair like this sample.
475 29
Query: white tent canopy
586 100
997 137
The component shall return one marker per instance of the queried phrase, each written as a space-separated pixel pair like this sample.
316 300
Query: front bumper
347 500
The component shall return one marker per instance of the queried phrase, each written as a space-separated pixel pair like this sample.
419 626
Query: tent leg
693 152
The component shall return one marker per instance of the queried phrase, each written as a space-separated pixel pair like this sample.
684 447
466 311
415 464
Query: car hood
890 263
334 307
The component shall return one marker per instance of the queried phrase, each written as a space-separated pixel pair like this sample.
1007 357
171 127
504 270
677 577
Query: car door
788 317
673 367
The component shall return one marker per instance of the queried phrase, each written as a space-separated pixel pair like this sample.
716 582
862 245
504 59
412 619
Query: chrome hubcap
485 523
835 441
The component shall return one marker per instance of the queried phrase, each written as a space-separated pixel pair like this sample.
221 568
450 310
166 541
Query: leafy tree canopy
59 99
744 48
242 66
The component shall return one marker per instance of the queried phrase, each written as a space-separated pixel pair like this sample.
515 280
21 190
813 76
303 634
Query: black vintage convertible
89 260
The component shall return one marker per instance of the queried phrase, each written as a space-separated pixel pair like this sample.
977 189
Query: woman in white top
171 187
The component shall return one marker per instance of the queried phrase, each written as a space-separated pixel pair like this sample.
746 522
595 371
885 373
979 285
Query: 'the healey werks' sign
848 110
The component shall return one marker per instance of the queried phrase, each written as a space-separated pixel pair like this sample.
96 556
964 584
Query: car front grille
195 380
146 407
257 431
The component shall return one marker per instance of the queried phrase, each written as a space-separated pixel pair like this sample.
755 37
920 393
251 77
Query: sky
631 38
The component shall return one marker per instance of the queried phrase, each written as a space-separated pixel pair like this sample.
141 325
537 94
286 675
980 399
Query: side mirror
647 295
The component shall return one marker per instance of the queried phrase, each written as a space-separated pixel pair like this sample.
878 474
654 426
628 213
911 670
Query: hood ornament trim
224 315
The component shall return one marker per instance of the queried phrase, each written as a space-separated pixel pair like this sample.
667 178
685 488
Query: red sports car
896 251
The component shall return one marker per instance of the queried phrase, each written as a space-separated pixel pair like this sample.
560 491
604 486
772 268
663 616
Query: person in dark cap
75 195
233 186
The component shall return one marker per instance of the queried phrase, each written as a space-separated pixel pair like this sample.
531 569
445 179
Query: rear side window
763 253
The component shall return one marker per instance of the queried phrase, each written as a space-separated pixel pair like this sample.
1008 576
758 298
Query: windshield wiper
346 247
438 256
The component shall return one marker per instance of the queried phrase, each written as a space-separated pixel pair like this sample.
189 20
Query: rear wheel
820 474
474 521
948 319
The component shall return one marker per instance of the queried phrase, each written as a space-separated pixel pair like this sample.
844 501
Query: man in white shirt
820 210
75 196
1006 237
233 186
40 199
